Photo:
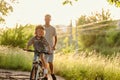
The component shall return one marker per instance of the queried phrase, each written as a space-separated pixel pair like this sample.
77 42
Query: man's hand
53 48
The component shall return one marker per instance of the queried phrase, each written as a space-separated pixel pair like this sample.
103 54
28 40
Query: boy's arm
30 42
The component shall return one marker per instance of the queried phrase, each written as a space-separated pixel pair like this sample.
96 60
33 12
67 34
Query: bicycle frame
37 66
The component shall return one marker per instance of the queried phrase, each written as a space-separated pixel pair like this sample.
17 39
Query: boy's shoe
53 77
45 78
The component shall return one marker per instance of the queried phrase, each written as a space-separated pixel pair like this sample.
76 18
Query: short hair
48 15
39 27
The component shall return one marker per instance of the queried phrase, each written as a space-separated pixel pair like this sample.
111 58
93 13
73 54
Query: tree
113 2
103 15
5 8
68 2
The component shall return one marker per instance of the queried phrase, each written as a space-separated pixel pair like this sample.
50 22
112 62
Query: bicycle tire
37 71
33 72
41 71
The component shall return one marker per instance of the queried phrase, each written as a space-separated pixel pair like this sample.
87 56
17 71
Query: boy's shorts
35 57
48 58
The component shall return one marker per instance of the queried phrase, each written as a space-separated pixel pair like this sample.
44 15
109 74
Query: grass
15 58
84 67
79 66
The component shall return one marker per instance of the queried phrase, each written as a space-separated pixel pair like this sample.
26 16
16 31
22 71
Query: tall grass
15 58
84 67
79 66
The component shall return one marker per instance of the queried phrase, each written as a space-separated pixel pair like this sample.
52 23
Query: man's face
47 19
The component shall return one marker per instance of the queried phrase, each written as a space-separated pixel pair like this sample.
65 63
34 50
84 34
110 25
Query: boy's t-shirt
38 44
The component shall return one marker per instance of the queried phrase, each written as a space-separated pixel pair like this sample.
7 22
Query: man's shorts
49 57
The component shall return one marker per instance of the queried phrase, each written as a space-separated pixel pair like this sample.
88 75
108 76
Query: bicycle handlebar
45 52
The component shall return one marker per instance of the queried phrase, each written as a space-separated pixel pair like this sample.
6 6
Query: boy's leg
35 57
44 64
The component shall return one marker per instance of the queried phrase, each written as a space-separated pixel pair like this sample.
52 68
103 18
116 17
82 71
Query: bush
112 37
15 37
87 40
68 49
101 37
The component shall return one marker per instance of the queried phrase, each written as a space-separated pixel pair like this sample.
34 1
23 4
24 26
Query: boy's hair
39 27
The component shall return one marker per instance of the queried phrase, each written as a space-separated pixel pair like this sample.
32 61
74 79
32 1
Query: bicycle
37 72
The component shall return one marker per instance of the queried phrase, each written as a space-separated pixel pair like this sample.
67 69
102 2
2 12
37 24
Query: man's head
47 19
39 31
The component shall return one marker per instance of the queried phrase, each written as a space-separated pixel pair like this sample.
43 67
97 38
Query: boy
39 43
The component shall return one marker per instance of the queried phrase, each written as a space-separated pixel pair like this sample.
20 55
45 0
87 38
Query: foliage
87 40
16 37
5 8
68 49
114 2
112 37
104 15
106 44
100 34
68 2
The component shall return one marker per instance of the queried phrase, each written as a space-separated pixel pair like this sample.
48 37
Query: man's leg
51 67
50 61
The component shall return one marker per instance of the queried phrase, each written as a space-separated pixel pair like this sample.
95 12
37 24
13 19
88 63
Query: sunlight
32 12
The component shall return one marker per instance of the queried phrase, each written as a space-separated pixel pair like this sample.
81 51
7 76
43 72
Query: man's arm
55 42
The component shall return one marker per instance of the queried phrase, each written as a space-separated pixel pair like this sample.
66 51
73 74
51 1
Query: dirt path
19 75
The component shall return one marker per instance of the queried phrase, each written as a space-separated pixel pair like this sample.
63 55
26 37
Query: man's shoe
53 77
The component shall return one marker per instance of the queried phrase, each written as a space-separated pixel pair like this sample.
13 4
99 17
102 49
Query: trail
19 75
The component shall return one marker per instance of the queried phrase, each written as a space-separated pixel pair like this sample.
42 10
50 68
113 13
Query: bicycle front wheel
33 73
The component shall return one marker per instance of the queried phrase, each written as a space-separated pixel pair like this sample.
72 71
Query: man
51 37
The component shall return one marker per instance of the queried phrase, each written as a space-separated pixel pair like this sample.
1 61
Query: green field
97 56
71 66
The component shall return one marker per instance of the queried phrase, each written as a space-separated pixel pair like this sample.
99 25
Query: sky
33 11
